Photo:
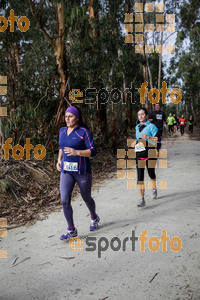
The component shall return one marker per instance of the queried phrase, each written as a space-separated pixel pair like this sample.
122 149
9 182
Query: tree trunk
60 59
91 10
127 98
101 113
2 128
151 86
59 50
160 60
145 71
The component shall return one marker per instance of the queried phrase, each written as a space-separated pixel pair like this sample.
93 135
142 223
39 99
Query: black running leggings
182 129
170 128
151 171
191 128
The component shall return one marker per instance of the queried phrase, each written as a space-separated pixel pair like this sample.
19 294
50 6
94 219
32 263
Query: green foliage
185 67
5 186
96 56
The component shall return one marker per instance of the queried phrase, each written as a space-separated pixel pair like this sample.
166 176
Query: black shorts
150 165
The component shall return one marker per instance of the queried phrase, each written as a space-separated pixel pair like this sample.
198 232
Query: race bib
71 166
139 147
182 123
159 117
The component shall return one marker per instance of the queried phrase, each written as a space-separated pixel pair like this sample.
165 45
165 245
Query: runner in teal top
145 139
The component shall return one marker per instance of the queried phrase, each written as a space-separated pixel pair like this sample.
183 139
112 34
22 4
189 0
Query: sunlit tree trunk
59 50
127 98
101 114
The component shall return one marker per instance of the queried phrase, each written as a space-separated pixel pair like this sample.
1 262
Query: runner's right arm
58 165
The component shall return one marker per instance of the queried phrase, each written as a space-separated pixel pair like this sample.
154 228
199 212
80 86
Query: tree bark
59 50
160 60
127 98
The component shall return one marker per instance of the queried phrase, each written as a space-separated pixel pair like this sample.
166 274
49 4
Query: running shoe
141 202
94 224
154 193
69 234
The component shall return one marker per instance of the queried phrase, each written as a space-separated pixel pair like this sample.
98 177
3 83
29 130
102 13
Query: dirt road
40 266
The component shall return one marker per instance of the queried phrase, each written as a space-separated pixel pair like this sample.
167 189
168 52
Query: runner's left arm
153 132
89 143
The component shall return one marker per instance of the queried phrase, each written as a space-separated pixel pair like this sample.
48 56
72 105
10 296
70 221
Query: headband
73 110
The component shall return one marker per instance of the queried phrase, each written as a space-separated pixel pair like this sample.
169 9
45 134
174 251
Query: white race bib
139 147
71 166
159 117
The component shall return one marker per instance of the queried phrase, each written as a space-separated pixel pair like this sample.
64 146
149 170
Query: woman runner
76 145
145 139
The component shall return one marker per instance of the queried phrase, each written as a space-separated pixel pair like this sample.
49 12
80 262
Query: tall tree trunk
12 80
145 70
59 50
160 60
60 58
2 128
101 114
127 98
91 10
113 110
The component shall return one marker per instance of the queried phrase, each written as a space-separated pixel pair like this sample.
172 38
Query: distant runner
158 117
170 121
191 122
182 122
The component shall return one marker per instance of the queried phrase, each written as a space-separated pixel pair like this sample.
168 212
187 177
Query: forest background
79 45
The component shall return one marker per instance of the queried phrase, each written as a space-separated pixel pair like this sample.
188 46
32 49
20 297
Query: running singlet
182 121
170 120
79 139
158 118
149 129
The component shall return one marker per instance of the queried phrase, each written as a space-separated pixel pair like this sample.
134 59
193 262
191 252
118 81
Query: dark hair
144 109
81 122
